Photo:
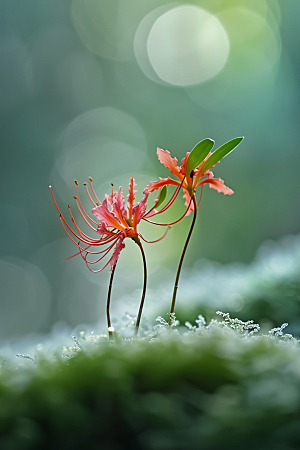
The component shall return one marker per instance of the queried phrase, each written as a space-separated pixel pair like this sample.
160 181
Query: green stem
181 259
144 292
110 332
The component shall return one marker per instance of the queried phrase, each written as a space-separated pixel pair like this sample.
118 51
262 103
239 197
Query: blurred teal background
91 88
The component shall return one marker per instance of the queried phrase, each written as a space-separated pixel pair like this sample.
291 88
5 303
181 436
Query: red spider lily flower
194 172
120 222
189 177
116 222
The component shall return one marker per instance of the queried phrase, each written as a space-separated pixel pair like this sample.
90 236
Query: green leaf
221 152
162 196
161 199
198 154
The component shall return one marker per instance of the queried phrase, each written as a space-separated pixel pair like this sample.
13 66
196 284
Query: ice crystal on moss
173 321
28 357
278 332
201 324
163 325
244 328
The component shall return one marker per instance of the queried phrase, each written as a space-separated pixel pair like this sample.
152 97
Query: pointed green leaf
221 152
198 154
162 196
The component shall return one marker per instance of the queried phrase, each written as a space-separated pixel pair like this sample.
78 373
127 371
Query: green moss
206 390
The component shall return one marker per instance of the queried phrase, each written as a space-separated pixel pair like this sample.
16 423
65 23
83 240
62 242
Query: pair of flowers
116 222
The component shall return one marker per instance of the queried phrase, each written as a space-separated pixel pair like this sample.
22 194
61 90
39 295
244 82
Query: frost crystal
30 358
244 328
278 331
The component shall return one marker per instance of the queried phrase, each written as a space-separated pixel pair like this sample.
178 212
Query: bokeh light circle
103 27
187 45
255 43
140 42
255 49
104 143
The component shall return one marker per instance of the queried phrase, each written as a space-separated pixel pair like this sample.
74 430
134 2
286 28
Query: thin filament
62 219
95 271
172 223
81 208
170 202
107 250
79 230
93 221
173 198
200 196
93 190
81 240
157 240
88 193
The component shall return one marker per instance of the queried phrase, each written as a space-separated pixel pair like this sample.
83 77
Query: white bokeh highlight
105 143
187 45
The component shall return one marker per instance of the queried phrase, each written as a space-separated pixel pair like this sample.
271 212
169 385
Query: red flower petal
139 210
184 163
170 163
104 215
119 246
217 184
131 196
118 207
154 185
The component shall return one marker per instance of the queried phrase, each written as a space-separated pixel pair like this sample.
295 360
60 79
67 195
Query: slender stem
110 332
181 259
144 292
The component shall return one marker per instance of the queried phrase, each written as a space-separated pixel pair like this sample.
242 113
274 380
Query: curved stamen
83 213
81 205
76 254
157 240
107 250
89 252
56 205
200 196
79 238
87 243
172 223
88 193
62 219
85 236
173 198
93 190
95 271
170 202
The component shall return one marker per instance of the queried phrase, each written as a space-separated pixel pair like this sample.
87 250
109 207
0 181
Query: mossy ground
210 389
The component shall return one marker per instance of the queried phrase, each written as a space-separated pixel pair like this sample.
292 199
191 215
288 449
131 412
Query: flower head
116 222
188 181
194 171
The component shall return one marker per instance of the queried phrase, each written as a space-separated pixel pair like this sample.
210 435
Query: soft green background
80 97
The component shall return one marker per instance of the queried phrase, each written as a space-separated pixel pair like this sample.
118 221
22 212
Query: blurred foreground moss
209 389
